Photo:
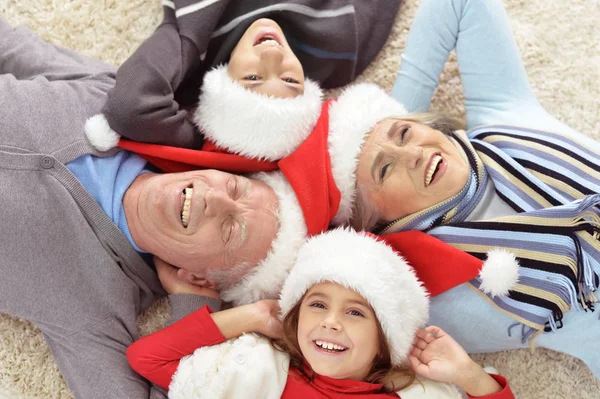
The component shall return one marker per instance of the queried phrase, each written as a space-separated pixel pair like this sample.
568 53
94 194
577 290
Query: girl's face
406 167
337 332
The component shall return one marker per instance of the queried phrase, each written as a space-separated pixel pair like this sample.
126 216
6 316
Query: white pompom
99 133
499 273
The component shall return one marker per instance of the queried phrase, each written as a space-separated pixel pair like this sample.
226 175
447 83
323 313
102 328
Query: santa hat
321 174
239 120
371 268
253 124
358 109
266 279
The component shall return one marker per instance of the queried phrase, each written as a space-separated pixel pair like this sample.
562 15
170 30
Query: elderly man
79 228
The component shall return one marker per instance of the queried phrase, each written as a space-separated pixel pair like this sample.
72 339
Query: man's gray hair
224 279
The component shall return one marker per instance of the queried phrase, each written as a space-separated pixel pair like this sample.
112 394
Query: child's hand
167 274
437 356
268 323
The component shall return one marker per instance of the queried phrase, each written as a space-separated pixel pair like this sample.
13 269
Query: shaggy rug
559 44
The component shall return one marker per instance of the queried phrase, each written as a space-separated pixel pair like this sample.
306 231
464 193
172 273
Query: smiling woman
408 164
532 191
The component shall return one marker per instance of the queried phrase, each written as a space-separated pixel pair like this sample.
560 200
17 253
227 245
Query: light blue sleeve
494 80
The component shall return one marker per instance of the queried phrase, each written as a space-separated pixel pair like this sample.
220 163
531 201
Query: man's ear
195 279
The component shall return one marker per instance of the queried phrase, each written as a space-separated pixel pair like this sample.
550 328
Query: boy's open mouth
267 37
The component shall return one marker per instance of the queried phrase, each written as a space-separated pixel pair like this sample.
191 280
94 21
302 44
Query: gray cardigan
65 265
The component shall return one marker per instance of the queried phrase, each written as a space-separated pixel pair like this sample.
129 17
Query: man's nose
218 202
331 322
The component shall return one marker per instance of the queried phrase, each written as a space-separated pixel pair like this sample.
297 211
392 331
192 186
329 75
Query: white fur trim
252 124
244 367
267 278
499 273
99 133
351 118
424 388
371 268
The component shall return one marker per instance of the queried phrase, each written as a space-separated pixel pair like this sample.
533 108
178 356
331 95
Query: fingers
420 343
436 331
419 367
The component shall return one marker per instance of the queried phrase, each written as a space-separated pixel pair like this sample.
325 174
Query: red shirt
156 357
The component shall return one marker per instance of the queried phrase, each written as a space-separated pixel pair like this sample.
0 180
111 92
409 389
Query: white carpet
558 41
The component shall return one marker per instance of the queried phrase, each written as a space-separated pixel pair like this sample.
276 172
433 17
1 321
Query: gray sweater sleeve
142 104
185 304
25 56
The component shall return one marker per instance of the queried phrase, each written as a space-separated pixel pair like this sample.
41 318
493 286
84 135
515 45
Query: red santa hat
238 120
252 124
322 174
374 270
351 118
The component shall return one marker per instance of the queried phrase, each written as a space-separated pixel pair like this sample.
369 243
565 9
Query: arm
437 356
491 69
142 105
25 56
493 76
157 356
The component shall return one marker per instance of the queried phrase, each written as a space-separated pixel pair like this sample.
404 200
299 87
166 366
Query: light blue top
496 91
107 179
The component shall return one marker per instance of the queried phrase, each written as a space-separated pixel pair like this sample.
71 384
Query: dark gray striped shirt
334 40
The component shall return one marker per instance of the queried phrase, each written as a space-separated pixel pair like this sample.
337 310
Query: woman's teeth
432 169
330 346
185 209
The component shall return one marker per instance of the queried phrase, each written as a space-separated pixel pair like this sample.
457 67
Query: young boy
330 42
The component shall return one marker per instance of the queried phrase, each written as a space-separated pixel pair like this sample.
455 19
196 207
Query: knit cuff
184 304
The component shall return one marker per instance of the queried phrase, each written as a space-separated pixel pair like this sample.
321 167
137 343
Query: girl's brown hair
393 378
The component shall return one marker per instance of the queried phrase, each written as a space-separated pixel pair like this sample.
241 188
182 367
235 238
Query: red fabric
308 170
156 356
298 387
438 265
175 159
506 392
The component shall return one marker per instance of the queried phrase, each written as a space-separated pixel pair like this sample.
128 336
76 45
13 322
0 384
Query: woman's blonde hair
364 215
393 378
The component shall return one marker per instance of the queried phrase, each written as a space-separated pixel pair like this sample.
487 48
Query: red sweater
156 357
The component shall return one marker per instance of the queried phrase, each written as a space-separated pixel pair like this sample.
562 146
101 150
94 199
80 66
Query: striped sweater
334 40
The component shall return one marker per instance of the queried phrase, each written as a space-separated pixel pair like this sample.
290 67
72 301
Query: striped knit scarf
553 183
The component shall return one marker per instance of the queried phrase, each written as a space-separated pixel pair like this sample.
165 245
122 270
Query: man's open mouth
186 201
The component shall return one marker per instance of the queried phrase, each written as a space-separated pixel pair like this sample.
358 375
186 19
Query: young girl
351 307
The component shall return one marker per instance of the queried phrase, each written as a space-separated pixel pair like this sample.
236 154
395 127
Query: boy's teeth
185 209
430 172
